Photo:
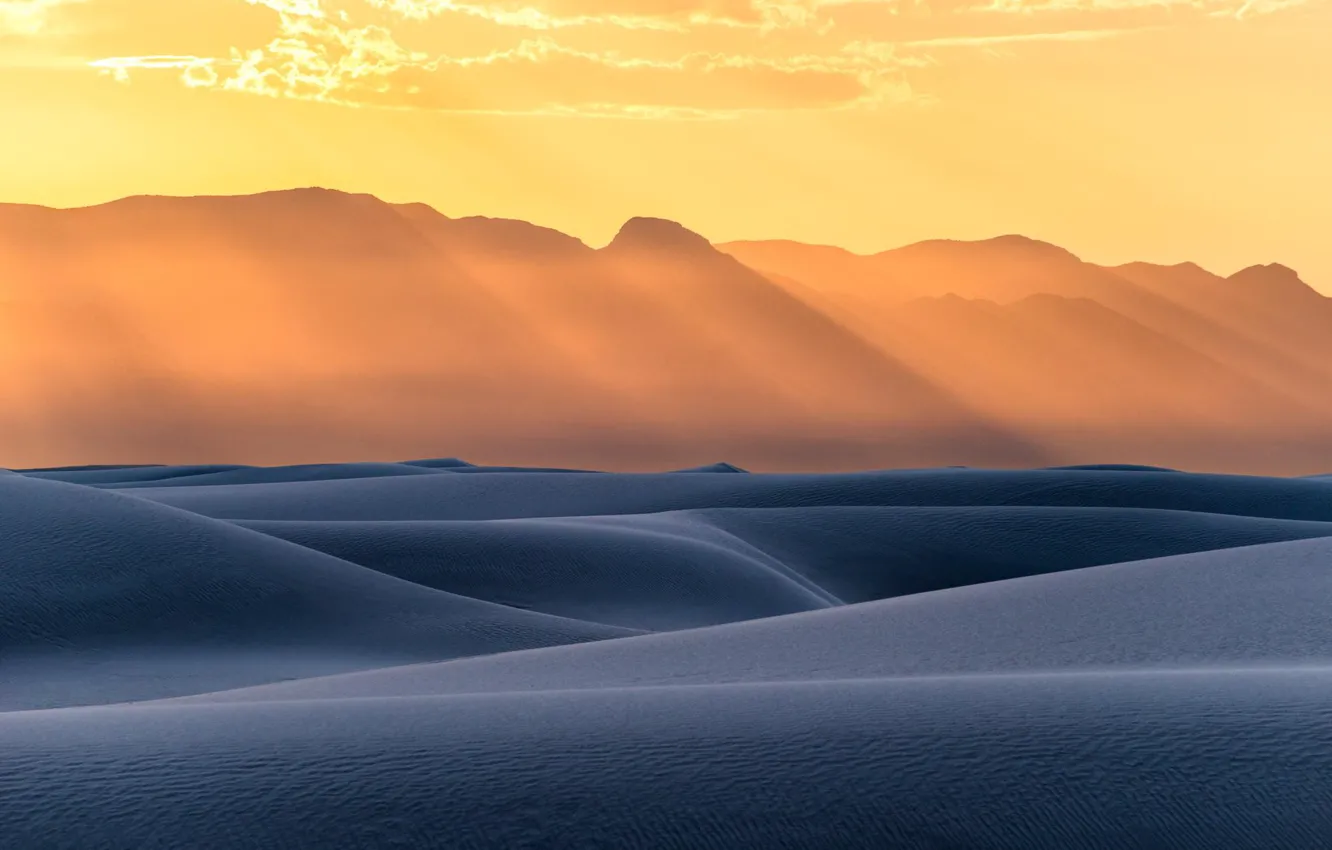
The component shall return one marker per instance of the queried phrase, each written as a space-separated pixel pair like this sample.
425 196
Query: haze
311 325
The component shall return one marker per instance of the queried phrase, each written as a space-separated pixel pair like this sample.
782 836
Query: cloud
1254 8
194 69
677 15
1015 38
26 17
319 55
543 57
539 76
296 8
1227 8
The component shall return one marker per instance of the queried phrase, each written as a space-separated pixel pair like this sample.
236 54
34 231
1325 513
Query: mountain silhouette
299 325
1262 335
659 234
310 325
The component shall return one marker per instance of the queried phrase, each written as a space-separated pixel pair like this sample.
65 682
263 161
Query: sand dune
97 584
436 654
1108 618
509 495
1050 762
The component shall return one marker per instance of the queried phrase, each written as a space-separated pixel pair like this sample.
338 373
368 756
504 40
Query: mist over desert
307 326
664 424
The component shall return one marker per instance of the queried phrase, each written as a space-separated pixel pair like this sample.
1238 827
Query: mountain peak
309 194
1270 275
1189 266
1174 275
658 234
1017 243
1018 240
1274 281
1009 245
1266 273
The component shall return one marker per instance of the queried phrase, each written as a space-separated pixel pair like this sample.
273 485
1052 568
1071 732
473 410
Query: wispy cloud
321 56
1226 8
26 17
540 76
364 53
675 15
297 8
1254 8
194 68
1015 38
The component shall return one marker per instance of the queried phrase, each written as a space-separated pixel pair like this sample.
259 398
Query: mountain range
312 325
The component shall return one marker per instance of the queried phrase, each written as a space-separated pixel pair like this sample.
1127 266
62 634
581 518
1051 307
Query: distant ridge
646 230
311 324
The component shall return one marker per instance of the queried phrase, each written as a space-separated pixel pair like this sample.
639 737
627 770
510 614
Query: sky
1120 129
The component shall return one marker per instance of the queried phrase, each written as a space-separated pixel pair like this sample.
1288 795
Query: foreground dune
435 654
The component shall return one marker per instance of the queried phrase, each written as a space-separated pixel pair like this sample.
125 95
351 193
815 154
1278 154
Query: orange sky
1121 129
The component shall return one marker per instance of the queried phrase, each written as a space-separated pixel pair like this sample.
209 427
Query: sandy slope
431 654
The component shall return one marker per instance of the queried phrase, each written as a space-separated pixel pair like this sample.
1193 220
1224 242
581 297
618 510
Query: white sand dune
434 654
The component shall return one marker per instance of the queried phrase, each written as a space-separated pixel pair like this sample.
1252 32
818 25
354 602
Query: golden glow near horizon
1121 129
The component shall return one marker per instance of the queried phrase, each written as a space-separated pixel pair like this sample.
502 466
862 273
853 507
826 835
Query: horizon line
584 241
